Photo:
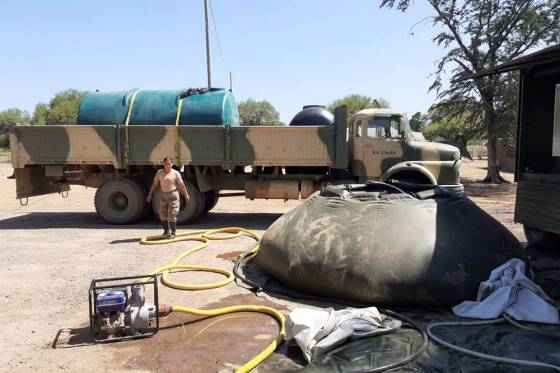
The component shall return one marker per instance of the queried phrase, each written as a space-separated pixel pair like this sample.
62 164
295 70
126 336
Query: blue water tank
313 115
199 107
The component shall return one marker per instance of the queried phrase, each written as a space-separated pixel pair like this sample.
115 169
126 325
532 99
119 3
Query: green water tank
199 107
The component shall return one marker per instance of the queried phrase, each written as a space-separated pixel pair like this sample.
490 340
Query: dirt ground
52 248
496 199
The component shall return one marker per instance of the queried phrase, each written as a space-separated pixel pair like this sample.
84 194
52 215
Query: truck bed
223 146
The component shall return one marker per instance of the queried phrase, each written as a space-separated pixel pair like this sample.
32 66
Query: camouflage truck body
263 162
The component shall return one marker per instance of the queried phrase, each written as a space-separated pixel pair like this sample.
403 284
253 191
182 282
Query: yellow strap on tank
126 121
204 237
178 137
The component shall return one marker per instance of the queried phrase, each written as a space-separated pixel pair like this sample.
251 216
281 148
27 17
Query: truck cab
382 147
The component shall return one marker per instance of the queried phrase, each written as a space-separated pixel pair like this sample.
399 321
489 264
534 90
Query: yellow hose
204 236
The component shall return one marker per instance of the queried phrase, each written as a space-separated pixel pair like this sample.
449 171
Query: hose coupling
164 310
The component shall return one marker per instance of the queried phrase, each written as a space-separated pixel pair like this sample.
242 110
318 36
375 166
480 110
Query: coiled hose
205 236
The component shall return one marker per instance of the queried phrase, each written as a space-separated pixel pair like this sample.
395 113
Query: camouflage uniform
169 206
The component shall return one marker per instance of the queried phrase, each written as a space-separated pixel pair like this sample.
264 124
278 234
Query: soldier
169 181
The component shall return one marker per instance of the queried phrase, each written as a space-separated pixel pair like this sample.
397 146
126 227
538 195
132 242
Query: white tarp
509 291
317 331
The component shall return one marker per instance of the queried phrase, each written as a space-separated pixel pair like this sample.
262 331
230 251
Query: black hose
256 287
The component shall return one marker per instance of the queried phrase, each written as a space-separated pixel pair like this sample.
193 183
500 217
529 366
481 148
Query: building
537 171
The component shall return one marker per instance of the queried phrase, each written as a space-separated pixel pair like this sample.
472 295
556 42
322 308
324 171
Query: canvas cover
376 244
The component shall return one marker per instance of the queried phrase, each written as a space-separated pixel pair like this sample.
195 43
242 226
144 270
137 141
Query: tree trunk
493 173
463 147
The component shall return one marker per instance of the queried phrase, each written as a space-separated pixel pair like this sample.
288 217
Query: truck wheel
120 201
210 200
187 213
541 240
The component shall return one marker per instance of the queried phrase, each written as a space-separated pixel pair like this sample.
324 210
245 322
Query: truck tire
210 200
187 213
538 239
120 201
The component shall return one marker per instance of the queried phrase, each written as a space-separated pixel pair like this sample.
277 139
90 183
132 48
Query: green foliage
478 35
62 109
258 113
418 121
7 118
461 129
356 102
40 114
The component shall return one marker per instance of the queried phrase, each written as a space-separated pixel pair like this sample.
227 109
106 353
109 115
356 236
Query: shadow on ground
90 220
72 337
476 188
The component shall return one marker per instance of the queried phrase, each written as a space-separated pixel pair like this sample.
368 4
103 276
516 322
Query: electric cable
481 355
204 236
536 330
218 37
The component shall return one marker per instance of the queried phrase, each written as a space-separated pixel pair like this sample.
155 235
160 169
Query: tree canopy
459 129
258 113
357 102
62 108
418 121
478 35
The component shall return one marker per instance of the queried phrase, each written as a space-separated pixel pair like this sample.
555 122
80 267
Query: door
383 144
556 130
357 133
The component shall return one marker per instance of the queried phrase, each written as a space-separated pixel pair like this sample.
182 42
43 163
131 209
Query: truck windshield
384 128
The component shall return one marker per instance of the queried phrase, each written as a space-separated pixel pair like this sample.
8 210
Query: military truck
266 162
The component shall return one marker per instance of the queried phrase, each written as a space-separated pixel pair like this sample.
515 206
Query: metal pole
230 82
207 44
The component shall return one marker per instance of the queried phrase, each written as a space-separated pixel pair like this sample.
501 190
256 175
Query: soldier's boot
165 227
172 229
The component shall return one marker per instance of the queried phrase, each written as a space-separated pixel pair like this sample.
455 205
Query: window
358 128
384 128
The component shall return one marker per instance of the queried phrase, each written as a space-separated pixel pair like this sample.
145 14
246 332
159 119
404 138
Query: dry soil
52 248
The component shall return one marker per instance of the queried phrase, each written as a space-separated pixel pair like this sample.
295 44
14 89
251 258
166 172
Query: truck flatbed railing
223 146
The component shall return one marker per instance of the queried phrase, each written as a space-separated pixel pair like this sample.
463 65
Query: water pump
119 310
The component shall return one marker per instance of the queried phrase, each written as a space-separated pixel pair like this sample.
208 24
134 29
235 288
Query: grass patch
4 151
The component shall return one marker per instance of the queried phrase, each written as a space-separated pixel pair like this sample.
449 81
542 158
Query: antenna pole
207 45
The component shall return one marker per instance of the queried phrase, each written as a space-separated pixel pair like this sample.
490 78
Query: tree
356 102
258 113
40 114
479 35
62 109
418 121
7 118
459 129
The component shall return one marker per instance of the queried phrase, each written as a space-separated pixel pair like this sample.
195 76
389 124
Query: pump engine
119 310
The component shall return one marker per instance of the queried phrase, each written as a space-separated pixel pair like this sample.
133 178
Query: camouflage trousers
169 206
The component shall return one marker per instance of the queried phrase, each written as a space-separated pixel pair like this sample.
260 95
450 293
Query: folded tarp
508 291
318 331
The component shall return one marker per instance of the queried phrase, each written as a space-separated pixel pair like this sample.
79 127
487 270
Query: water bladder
388 245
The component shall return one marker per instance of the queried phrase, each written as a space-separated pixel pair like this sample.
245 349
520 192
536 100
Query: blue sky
290 52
